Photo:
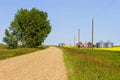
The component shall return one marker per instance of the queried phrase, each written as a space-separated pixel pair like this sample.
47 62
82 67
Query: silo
109 44
100 44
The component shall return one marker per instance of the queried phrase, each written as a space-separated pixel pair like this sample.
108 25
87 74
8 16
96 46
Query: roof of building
79 43
101 41
108 41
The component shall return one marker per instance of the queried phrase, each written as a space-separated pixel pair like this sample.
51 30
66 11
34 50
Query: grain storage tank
100 44
109 44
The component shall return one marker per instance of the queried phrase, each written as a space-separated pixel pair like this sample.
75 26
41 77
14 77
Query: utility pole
92 33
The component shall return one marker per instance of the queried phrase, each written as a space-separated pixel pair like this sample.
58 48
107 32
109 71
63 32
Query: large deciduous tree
31 27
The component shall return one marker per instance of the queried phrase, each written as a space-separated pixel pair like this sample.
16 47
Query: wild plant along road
41 65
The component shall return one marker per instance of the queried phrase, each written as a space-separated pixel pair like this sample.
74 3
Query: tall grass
111 55
7 53
85 65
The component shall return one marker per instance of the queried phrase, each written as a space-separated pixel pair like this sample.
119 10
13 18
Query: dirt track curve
41 65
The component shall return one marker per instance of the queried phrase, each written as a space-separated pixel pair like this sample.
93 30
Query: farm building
100 44
85 45
89 44
109 44
61 44
79 44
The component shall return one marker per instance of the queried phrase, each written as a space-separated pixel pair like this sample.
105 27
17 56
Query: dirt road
41 65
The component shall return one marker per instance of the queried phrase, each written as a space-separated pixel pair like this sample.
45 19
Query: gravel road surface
47 64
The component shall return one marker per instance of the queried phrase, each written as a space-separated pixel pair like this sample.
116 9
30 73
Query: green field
84 64
7 53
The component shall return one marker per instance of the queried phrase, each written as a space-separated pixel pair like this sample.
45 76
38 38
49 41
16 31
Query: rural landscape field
81 63
5 52
85 64
60 40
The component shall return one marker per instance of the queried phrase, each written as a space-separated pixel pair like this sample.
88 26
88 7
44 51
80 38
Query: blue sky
66 16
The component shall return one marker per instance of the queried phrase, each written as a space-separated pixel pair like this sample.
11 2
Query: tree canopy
29 27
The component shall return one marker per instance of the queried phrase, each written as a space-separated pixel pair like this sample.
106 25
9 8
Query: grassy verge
111 55
7 53
88 65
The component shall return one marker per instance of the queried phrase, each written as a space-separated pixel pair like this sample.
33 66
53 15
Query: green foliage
88 65
7 53
32 27
11 38
111 55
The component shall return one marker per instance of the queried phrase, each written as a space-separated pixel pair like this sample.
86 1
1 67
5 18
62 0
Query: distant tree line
29 28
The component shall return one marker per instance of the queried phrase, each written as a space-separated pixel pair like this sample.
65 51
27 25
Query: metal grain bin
100 44
109 44
61 44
